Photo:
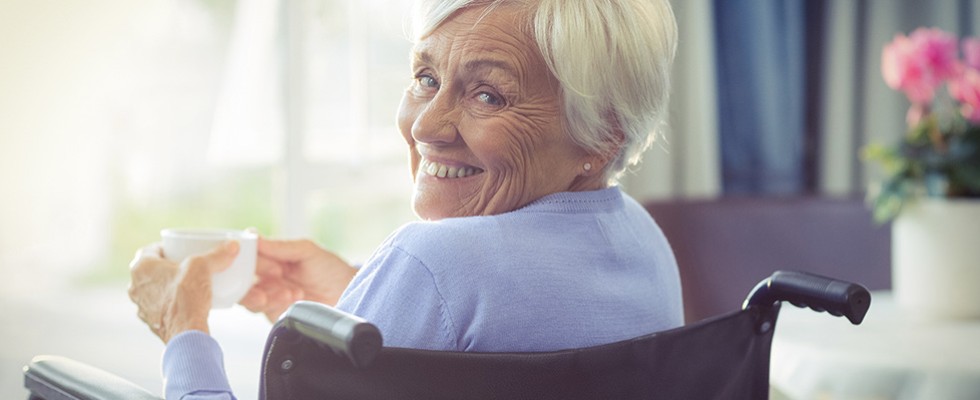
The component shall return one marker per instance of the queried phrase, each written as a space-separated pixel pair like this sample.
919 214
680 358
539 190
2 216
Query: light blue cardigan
569 270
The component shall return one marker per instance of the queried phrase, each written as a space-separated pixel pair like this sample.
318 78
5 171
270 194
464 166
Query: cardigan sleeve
193 368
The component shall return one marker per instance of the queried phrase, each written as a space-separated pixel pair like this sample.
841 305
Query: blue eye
490 99
427 81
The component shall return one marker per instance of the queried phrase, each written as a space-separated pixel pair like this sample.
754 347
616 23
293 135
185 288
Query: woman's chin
433 212
429 209
436 198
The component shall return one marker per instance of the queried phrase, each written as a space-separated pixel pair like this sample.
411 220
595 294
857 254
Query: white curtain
685 162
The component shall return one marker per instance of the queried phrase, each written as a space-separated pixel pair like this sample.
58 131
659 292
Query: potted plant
932 182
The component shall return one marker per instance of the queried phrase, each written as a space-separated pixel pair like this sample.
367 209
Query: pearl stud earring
587 166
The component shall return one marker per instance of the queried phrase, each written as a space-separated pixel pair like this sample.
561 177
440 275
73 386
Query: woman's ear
595 163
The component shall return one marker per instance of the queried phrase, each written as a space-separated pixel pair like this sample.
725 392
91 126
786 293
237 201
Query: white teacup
230 285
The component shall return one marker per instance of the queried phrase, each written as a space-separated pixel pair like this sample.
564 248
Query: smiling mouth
438 170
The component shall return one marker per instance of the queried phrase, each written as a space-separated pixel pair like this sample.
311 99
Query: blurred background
119 118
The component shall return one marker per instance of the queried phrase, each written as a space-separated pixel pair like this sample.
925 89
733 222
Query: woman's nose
436 122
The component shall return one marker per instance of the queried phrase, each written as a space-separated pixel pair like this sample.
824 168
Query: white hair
612 59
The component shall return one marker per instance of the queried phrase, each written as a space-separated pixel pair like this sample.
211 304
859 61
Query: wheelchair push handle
836 297
345 334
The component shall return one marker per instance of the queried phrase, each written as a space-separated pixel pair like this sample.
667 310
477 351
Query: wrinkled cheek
501 192
414 159
408 113
406 119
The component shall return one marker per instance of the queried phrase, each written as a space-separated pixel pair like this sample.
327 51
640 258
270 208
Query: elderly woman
519 118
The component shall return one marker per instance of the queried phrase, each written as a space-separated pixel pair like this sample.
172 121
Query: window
119 118
346 165
277 115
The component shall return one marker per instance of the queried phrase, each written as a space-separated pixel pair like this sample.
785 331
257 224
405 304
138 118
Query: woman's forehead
492 21
477 39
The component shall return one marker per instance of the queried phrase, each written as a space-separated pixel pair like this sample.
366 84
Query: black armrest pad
53 377
344 333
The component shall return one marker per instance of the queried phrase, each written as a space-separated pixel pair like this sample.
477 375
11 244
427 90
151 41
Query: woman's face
482 120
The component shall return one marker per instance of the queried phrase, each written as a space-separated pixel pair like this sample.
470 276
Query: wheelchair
317 352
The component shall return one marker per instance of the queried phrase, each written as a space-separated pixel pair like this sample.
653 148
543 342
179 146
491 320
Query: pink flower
966 90
939 50
920 63
916 113
971 52
902 72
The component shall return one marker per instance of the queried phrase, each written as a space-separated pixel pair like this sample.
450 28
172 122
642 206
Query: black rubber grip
836 297
344 333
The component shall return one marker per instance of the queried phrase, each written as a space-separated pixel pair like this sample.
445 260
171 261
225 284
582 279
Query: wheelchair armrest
839 298
345 334
56 378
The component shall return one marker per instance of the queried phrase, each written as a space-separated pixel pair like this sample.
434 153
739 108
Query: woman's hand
172 299
293 270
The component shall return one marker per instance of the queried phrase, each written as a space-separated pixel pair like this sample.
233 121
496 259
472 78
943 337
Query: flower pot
936 258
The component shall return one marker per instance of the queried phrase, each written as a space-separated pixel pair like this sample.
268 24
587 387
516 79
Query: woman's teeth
444 171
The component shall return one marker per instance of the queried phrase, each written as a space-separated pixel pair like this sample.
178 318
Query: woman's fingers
191 302
255 300
150 277
271 298
151 288
149 252
287 250
266 267
171 301
214 261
